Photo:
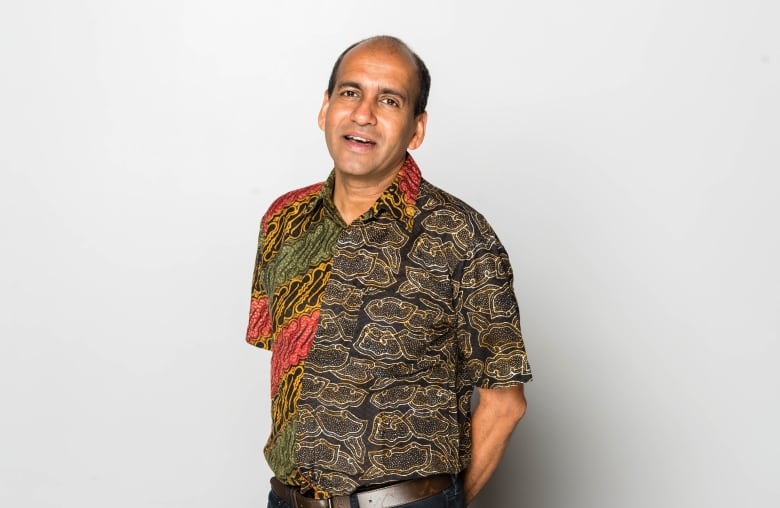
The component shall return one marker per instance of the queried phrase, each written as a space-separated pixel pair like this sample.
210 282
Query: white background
625 151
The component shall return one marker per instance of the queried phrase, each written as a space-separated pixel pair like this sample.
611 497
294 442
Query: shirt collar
399 200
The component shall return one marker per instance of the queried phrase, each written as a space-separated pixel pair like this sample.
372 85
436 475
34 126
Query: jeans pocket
275 501
456 498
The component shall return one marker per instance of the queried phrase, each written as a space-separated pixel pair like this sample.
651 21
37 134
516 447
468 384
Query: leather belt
392 495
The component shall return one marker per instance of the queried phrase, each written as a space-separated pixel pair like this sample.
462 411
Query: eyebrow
383 91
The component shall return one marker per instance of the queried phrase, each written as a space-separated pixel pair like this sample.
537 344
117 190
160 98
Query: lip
359 142
361 135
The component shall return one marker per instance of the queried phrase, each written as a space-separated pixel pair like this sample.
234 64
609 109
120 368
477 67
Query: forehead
382 64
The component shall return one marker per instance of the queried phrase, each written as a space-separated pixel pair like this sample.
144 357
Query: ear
323 111
419 130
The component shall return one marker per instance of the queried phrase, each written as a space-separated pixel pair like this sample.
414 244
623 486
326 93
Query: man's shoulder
293 198
433 199
441 207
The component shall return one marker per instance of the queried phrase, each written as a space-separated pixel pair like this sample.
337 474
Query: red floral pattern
409 179
259 321
292 345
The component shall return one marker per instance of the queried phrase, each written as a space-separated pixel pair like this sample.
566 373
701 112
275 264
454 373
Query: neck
354 196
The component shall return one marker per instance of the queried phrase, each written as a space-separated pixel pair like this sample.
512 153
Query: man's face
369 120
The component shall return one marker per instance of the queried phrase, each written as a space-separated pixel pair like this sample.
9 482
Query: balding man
386 302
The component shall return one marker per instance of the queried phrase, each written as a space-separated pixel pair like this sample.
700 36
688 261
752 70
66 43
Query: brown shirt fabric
379 332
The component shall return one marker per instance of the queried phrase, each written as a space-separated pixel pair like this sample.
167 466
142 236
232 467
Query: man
385 302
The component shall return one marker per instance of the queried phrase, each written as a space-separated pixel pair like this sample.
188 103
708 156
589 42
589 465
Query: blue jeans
451 497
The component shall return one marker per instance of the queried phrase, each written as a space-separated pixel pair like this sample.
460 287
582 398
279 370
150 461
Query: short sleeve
492 352
259 330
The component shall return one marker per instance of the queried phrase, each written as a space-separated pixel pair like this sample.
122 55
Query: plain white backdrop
626 152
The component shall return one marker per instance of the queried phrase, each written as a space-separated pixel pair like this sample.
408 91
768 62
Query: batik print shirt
379 331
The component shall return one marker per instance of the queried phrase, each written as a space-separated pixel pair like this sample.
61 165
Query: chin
351 166
351 169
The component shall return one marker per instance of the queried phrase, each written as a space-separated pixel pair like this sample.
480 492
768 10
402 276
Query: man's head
374 108
423 76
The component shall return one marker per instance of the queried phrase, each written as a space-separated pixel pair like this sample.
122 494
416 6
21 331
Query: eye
391 102
349 93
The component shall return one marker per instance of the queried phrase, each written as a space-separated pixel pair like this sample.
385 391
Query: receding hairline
383 42
394 44
396 47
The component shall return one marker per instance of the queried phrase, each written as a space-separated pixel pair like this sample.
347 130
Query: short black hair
423 76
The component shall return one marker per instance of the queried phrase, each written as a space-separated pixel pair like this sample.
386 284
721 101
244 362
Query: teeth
361 140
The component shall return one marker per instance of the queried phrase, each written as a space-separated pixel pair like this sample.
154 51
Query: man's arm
498 412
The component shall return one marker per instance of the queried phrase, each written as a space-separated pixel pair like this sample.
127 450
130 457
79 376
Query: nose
363 113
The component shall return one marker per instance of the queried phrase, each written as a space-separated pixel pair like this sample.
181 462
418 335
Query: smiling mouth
358 139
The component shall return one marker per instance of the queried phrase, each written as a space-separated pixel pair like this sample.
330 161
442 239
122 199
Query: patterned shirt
379 332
